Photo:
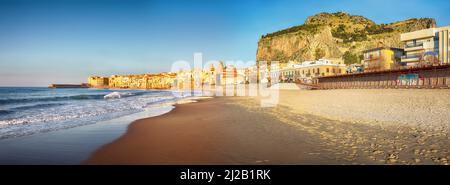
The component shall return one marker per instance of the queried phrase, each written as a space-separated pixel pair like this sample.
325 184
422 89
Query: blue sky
43 42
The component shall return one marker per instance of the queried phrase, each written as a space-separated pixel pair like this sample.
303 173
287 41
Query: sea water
27 111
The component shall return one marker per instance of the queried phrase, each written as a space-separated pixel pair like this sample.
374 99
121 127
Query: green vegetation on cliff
359 34
333 35
302 28
350 58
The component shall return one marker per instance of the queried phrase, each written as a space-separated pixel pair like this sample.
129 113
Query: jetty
57 86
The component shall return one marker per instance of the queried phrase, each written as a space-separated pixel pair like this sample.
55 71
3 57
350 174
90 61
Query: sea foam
115 95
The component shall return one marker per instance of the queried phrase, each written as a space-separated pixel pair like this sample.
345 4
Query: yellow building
160 81
383 58
117 81
98 82
144 81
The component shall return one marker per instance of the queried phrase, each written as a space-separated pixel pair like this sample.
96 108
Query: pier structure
59 86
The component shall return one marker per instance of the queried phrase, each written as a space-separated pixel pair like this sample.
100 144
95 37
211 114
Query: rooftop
420 34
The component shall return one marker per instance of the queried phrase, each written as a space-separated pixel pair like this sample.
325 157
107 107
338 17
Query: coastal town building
431 42
444 45
252 74
382 58
212 76
229 75
209 76
263 73
144 81
241 76
98 82
306 71
160 81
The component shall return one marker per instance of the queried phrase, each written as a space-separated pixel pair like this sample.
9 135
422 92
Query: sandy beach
211 131
377 126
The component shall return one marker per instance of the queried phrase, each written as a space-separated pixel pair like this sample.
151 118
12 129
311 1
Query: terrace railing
420 44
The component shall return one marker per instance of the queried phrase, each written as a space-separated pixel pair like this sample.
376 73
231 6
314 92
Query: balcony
415 47
370 58
419 44
411 58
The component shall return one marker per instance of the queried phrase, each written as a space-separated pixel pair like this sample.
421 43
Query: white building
433 40
306 71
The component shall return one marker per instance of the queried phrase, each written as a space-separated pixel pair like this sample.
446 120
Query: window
318 70
328 70
334 71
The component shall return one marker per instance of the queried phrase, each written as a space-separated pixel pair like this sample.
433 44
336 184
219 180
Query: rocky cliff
330 35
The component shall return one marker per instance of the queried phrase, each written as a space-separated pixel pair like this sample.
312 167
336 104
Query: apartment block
444 43
382 58
433 41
